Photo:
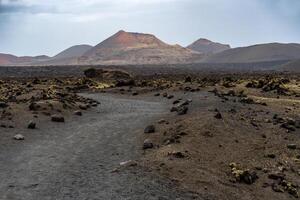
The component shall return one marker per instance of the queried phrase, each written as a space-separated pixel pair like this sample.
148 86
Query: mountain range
125 48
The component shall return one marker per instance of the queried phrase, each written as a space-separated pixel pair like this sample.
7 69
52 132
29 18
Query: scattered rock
247 100
129 163
78 113
19 137
148 144
246 176
90 73
170 96
57 118
276 176
271 155
188 79
31 125
218 115
161 121
3 104
176 101
149 129
83 107
292 146
182 110
33 106
176 154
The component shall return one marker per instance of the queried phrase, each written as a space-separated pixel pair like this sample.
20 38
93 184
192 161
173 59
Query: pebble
19 137
292 146
149 129
57 118
31 125
148 144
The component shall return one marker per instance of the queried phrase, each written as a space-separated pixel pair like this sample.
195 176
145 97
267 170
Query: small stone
188 79
177 154
271 155
277 188
31 125
162 121
19 137
292 146
288 127
182 110
149 129
218 115
170 96
129 163
176 101
78 113
276 176
3 104
33 106
148 144
83 107
57 118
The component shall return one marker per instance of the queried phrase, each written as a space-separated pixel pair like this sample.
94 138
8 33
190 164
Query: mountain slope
74 51
208 47
257 53
137 48
8 59
293 66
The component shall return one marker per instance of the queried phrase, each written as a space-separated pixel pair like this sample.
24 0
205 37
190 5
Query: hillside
137 48
8 59
257 53
208 47
74 51
293 66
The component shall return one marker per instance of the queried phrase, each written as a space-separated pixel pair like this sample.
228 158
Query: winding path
74 160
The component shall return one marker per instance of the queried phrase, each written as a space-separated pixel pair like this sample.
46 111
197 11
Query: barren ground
227 137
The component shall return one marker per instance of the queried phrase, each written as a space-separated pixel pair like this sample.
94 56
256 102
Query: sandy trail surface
74 160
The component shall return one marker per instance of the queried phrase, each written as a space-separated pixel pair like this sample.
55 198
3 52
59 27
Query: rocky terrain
210 136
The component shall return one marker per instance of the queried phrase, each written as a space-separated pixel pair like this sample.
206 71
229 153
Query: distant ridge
257 53
8 59
206 46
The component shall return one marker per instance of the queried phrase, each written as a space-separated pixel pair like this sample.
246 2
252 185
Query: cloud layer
29 27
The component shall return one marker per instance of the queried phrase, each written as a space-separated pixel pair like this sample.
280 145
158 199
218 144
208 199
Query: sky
36 27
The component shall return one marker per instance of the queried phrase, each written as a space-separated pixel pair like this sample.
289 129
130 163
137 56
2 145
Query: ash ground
230 136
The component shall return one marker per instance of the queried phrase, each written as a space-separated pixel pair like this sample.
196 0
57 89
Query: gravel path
74 160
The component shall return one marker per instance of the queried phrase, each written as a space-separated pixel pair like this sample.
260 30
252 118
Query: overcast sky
34 27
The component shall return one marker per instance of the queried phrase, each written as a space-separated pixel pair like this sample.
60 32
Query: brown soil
210 154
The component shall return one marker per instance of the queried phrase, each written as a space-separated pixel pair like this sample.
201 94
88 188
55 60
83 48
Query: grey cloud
17 6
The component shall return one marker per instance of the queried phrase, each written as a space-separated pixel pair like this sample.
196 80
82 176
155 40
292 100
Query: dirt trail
74 160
